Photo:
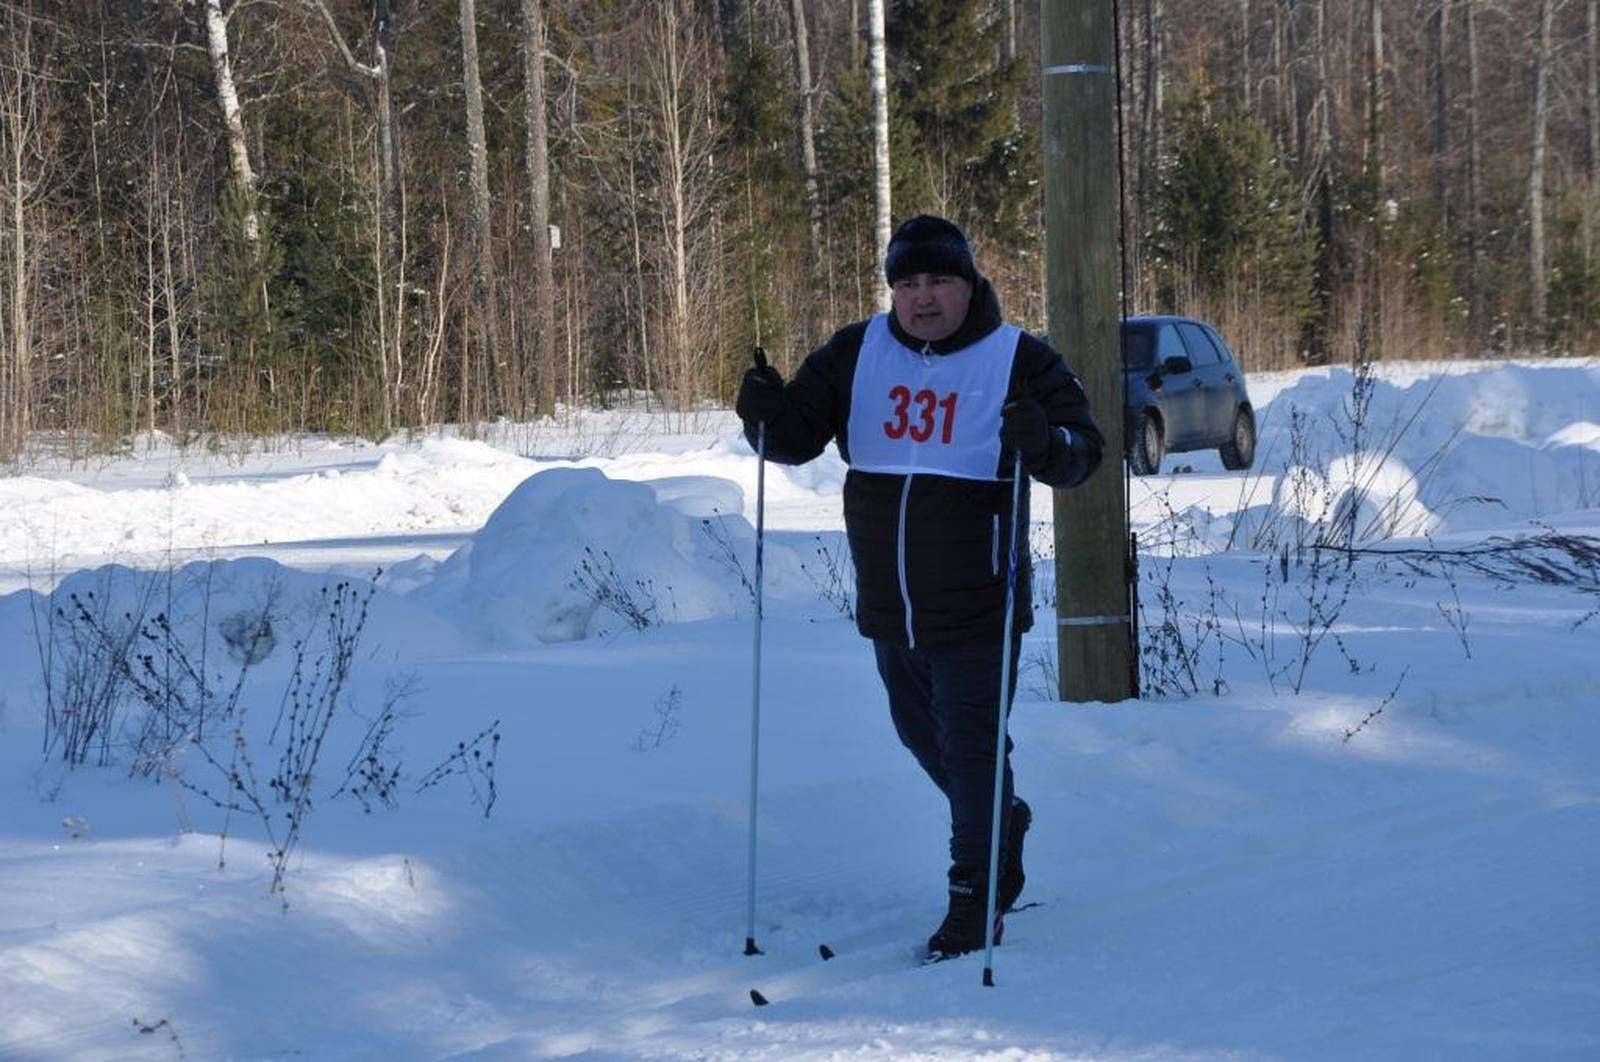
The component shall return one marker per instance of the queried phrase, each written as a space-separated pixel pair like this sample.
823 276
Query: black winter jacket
950 567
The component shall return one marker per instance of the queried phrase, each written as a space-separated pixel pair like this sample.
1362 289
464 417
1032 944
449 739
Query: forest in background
359 216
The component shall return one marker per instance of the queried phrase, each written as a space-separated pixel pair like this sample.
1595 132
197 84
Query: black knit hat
928 244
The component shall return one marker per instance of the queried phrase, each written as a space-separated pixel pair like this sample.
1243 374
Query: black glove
1023 428
760 395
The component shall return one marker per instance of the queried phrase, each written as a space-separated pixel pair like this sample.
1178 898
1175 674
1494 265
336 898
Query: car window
1222 346
1201 350
1168 345
1138 347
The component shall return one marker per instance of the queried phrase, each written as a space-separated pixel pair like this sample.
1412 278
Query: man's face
931 306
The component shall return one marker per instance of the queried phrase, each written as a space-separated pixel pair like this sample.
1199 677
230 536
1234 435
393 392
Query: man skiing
929 405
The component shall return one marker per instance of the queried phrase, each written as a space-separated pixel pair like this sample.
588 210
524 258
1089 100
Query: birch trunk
877 57
1536 167
538 164
244 176
808 139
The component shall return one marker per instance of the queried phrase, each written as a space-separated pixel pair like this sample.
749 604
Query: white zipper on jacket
905 587
905 494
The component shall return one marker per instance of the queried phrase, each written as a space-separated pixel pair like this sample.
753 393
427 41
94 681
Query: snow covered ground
1373 834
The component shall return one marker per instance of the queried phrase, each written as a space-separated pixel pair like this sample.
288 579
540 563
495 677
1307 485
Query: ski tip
825 951
757 998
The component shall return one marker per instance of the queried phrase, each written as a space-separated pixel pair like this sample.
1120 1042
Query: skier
929 405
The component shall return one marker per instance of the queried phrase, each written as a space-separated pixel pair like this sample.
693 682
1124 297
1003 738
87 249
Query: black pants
943 703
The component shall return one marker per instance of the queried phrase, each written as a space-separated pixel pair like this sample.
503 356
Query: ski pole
755 669
1000 729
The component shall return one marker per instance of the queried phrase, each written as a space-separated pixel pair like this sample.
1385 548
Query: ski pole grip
759 356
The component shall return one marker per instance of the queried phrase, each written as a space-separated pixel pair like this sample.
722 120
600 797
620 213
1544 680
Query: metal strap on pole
1001 711
755 690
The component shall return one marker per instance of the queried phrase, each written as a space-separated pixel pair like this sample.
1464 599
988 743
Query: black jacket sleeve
1042 374
816 403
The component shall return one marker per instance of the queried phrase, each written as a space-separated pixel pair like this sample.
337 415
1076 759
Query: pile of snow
224 613
572 553
1450 452
1472 448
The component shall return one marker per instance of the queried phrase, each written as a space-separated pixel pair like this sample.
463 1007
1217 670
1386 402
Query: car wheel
1240 449
1149 444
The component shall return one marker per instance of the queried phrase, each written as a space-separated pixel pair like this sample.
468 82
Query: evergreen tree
323 257
1574 283
958 146
765 200
1227 213
844 163
241 309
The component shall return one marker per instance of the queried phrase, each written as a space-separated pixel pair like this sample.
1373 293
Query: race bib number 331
920 423
915 411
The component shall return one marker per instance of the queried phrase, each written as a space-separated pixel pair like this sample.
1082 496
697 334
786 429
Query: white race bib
933 413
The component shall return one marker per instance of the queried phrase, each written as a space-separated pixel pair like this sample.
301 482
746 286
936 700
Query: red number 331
919 424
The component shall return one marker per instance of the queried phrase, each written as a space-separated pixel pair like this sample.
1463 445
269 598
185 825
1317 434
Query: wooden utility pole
1095 645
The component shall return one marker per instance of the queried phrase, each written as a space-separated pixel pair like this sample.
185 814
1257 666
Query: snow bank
230 611
1447 452
572 553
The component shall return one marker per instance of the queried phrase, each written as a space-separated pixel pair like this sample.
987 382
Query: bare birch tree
244 175
877 57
